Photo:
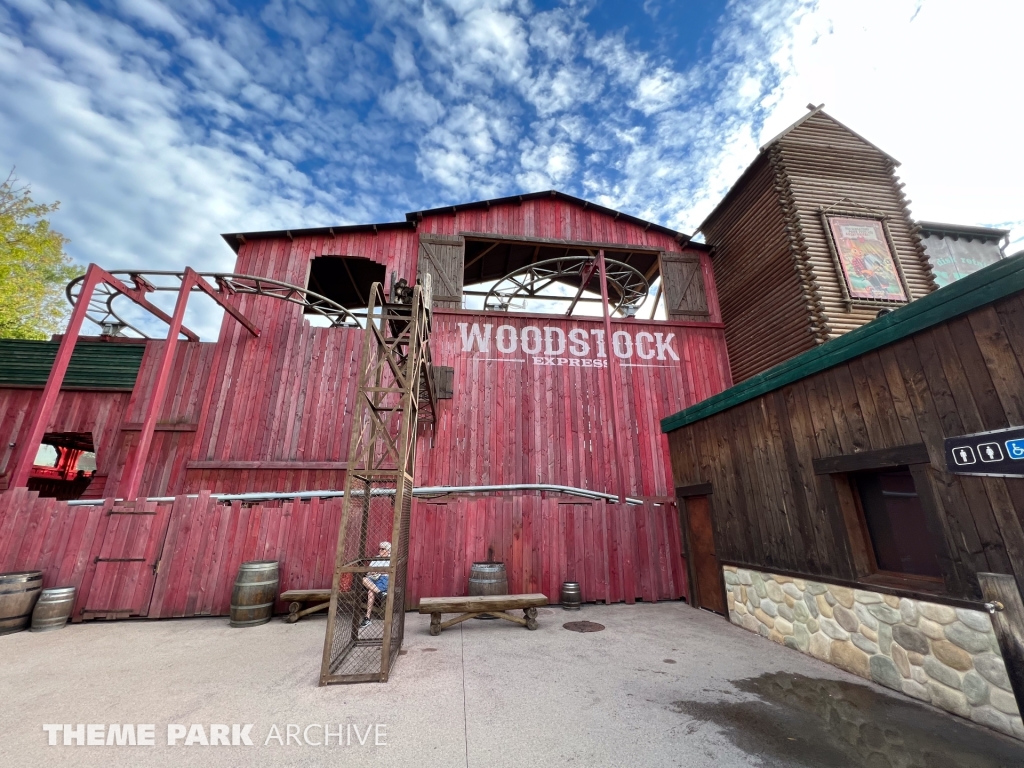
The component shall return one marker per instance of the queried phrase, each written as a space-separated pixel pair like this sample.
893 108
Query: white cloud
935 84
161 125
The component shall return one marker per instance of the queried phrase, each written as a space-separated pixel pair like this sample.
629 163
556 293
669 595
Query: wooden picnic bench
494 605
321 599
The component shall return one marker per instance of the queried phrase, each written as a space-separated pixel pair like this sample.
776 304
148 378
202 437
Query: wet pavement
803 721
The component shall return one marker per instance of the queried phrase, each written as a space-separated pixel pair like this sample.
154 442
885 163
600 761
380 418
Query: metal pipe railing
439 490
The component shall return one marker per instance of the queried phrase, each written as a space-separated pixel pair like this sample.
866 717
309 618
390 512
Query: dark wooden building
828 473
787 280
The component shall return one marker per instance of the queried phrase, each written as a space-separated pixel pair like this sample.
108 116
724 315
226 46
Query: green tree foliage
33 266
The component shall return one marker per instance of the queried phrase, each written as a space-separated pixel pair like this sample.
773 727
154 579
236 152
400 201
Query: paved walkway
663 685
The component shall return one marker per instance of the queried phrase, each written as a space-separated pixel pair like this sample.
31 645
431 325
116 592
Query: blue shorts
381 583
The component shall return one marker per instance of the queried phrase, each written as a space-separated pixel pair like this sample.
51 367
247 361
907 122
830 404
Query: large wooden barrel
252 599
488 579
53 609
18 594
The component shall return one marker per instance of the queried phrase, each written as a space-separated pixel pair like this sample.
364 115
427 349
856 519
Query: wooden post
131 479
1000 591
620 474
27 457
128 488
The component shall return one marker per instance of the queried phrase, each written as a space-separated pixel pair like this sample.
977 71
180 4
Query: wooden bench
321 599
495 605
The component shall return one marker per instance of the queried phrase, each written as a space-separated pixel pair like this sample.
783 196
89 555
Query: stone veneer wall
944 656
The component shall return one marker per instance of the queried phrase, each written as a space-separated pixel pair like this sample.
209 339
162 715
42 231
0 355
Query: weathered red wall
537 418
95 412
190 549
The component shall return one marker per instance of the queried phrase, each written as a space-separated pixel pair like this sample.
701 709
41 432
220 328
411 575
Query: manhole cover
583 626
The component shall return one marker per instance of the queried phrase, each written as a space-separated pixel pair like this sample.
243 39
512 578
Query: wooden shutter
683 287
444 380
443 257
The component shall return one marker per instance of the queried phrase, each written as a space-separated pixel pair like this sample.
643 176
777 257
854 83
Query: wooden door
707 592
443 257
120 579
683 286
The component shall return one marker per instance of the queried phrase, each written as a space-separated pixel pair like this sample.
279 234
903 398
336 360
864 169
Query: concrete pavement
662 685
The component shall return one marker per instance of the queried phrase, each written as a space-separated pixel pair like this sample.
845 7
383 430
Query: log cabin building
770 501
786 282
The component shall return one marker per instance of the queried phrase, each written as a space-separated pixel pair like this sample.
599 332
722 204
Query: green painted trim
93 365
994 282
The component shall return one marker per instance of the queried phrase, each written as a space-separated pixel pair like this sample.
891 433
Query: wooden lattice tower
395 392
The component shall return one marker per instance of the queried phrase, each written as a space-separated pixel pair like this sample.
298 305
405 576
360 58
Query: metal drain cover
583 626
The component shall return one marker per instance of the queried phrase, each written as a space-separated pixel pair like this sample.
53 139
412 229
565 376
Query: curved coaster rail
102 312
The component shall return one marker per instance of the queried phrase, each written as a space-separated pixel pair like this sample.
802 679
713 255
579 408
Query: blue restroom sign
999 453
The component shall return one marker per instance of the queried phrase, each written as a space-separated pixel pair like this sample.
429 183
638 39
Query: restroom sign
999 453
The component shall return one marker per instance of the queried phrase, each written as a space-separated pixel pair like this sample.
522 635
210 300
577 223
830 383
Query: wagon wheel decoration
563 280
103 313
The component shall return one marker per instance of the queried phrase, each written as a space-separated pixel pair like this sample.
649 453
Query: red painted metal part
132 475
34 437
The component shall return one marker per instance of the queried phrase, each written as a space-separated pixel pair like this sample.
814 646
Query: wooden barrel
252 599
53 609
488 579
18 594
572 597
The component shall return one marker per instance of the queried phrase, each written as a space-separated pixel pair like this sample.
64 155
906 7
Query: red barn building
528 397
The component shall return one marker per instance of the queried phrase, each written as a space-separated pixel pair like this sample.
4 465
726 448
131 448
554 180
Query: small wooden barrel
53 609
572 597
18 594
488 579
252 599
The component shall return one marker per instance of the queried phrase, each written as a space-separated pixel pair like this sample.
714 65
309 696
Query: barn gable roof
235 239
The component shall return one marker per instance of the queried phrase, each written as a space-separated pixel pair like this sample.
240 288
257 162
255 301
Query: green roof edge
985 286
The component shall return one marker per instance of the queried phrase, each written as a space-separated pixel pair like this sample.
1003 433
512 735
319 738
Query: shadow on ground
802 721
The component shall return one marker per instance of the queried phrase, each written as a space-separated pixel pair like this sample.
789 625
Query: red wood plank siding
197 544
517 418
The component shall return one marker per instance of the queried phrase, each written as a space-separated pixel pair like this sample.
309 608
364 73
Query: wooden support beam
131 477
609 347
27 456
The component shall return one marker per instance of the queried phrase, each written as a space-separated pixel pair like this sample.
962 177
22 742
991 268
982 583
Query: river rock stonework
947 657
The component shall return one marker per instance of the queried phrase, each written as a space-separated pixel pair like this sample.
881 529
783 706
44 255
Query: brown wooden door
707 571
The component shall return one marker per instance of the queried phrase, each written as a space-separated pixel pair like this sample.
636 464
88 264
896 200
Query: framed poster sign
865 259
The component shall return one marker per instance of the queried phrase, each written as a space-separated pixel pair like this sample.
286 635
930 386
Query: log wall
777 281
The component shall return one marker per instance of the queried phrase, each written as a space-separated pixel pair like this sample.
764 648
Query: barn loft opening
64 465
345 279
551 288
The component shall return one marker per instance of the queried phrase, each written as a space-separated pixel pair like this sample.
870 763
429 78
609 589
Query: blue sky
159 126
